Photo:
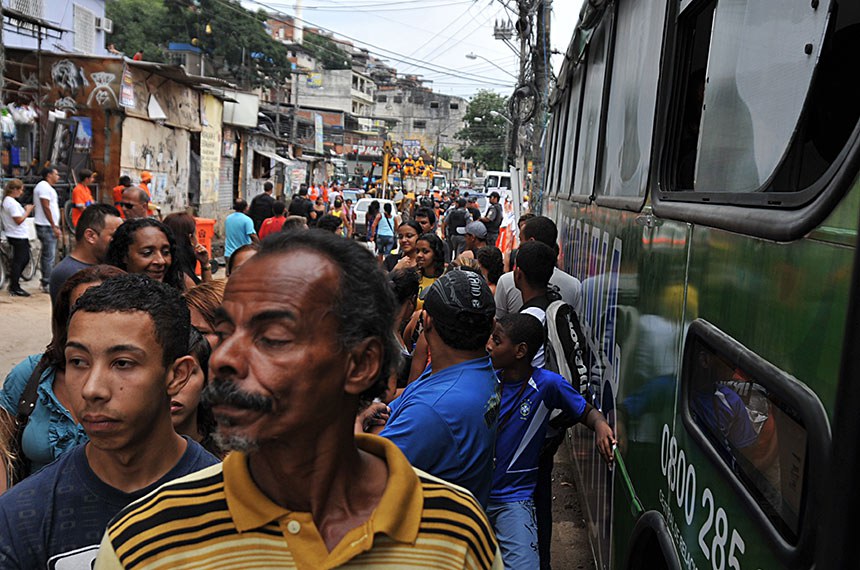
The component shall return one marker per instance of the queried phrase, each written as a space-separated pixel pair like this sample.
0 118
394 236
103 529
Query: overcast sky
440 32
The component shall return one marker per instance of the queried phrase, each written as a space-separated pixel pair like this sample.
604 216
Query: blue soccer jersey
523 419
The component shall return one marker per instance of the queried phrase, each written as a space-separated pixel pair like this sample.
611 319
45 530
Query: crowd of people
331 401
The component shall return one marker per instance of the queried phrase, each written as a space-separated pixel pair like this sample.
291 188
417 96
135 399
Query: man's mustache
221 391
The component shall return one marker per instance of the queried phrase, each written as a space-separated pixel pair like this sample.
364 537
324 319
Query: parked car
361 223
353 194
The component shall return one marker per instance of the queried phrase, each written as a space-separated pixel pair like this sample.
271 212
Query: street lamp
503 70
503 116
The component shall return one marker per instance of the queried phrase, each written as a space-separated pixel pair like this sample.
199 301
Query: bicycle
6 261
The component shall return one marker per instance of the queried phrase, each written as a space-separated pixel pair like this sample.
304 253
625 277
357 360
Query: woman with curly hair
189 251
145 245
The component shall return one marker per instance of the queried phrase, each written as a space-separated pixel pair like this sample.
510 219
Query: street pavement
25 325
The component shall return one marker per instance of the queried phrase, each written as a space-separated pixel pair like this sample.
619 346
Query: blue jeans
384 244
49 252
516 532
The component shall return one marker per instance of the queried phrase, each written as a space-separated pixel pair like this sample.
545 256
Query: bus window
557 149
763 429
588 143
757 435
632 98
560 146
765 104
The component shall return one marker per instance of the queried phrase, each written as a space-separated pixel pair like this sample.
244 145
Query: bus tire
651 545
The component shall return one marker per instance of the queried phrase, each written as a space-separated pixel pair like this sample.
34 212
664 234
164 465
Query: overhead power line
382 52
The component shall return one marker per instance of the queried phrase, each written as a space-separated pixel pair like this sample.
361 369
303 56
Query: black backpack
457 219
567 352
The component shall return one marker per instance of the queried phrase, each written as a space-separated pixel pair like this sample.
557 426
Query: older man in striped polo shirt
306 329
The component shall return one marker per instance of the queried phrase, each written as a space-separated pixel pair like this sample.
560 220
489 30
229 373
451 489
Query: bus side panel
785 302
633 292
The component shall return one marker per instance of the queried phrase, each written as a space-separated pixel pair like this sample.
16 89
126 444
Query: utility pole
2 63
522 26
540 59
2 56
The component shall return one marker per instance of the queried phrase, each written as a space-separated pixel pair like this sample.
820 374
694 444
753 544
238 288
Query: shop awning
273 156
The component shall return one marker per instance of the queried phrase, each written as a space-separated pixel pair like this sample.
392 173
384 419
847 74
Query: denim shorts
516 532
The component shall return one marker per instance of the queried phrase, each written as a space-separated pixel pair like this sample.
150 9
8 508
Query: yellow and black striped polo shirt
218 518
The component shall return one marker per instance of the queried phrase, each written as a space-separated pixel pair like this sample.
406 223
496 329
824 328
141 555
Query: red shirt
271 225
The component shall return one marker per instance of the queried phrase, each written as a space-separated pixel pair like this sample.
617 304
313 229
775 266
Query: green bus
702 163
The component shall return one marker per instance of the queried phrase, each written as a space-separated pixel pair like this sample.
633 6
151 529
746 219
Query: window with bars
33 8
85 30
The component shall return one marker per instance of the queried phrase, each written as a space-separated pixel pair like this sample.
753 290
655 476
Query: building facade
419 118
84 22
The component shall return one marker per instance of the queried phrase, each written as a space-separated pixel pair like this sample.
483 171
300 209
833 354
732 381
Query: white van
496 180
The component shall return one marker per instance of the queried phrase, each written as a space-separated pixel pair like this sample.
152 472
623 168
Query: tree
484 133
141 25
235 40
326 51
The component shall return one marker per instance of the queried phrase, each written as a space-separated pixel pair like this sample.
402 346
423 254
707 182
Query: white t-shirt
45 190
510 300
540 356
12 209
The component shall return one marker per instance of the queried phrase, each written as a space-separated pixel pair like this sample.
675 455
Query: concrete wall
165 152
409 106
253 186
210 156
338 90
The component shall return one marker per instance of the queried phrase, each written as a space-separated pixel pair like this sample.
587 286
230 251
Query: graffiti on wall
103 93
68 78
163 151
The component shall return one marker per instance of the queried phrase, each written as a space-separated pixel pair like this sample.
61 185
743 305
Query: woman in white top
14 214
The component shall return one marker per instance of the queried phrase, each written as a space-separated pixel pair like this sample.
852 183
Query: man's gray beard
230 442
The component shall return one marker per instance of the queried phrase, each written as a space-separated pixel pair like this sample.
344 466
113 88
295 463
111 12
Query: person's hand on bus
605 441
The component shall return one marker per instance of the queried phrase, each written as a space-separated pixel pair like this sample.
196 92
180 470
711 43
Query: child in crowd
528 395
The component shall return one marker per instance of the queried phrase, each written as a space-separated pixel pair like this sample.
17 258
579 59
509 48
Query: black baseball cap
458 293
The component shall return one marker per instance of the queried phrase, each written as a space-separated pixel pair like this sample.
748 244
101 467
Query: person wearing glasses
135 203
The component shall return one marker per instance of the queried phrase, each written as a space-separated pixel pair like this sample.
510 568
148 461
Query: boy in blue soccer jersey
528 396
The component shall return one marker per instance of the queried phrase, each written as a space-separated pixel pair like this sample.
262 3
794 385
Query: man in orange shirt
81 195
145 179
124 182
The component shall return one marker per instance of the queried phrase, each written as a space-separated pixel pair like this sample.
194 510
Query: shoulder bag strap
26 405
